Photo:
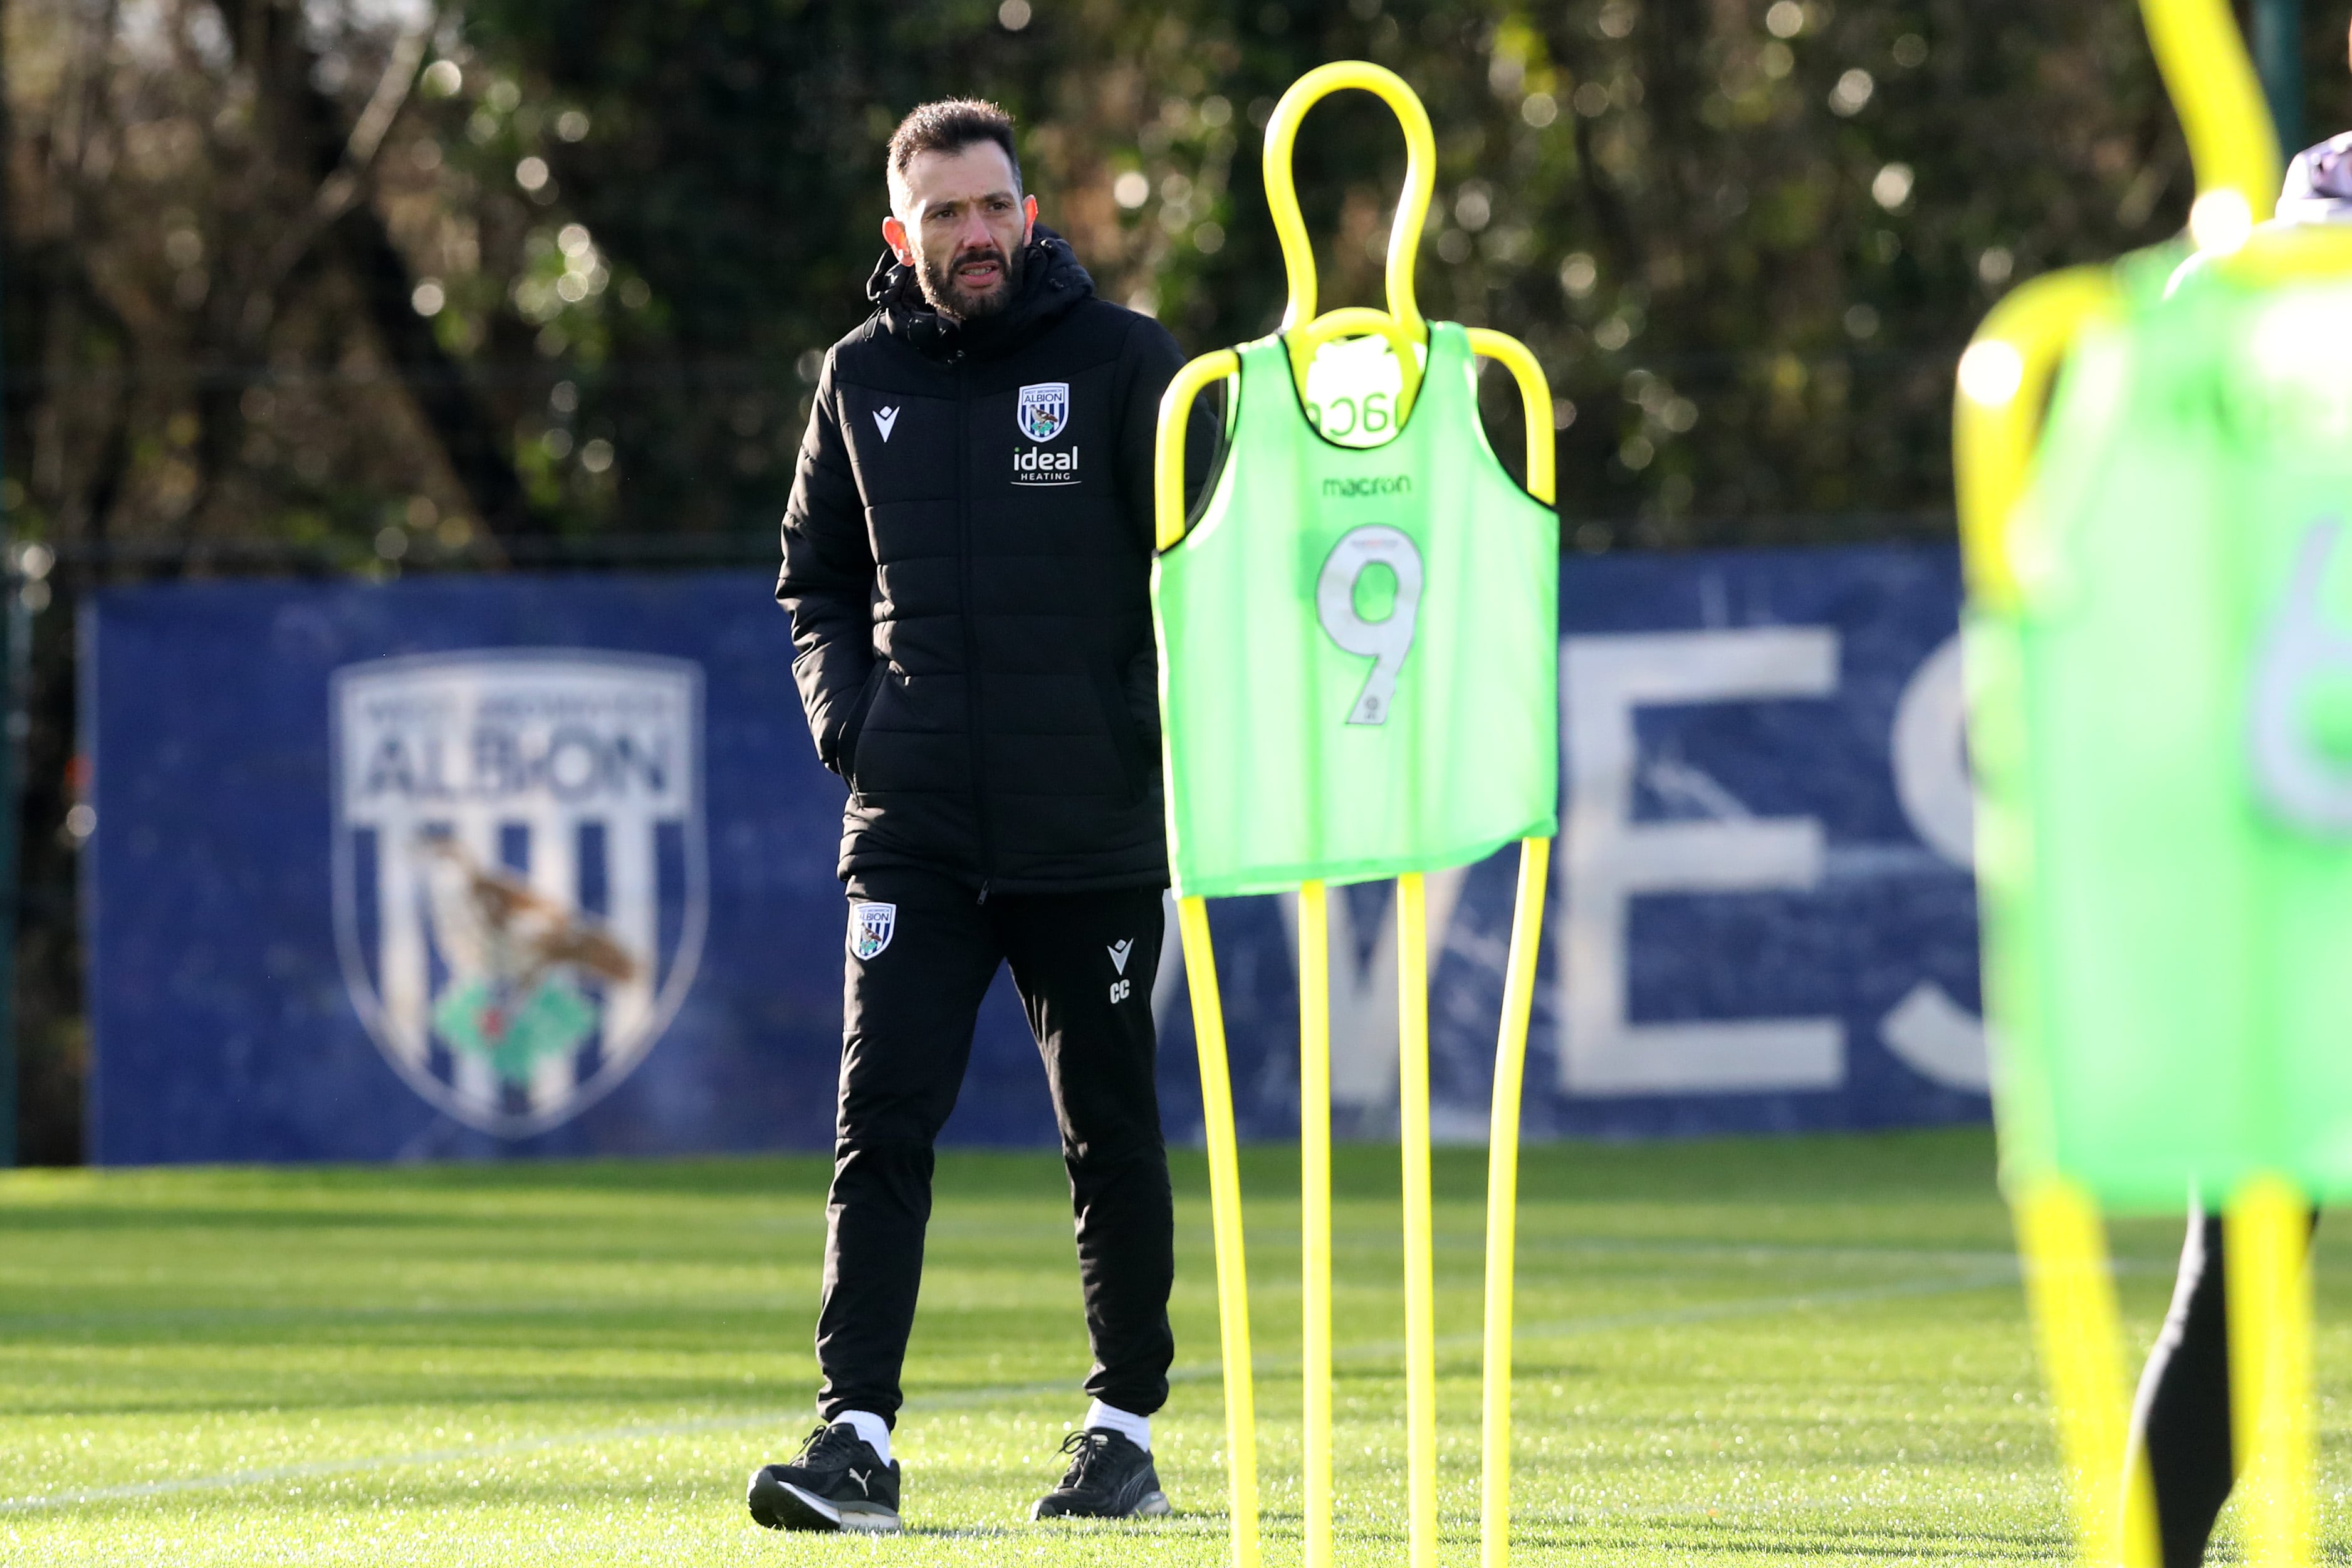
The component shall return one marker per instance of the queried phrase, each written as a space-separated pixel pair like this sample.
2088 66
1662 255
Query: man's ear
894 235
1028 219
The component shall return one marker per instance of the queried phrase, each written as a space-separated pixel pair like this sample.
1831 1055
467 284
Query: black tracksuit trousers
1084 964
2180 1421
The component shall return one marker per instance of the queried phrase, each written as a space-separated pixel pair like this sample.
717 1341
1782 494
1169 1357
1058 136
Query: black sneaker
1109 1478
836 1482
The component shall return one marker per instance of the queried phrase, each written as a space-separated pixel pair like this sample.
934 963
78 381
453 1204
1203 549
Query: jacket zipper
971 638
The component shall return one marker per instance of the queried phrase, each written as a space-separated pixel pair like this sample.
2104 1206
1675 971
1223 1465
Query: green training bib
1359 646
2163 728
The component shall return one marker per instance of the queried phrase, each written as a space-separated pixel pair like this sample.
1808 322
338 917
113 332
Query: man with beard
967 559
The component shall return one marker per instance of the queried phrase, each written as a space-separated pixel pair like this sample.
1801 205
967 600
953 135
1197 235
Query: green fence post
2278 58
12 726
15 721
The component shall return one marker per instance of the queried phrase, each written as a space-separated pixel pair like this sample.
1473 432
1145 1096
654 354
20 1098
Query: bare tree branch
341 188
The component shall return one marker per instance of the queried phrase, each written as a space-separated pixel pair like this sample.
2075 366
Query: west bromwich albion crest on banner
521 879
1044 409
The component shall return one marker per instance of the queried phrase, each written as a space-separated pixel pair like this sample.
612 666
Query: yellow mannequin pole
1314 1206
1510 1049
1419 1277
2269 1288
1225 1219
2072 1299
1503 1202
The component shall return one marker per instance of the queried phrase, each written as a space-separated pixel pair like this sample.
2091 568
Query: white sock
1136 1429
870 1426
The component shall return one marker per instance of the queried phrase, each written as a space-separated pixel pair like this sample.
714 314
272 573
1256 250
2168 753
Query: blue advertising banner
481 867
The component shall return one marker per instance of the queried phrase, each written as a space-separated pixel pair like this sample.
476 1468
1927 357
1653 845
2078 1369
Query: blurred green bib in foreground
1369 662
2163 729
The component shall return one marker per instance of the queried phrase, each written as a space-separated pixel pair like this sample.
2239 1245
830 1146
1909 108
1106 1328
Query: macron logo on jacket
885 420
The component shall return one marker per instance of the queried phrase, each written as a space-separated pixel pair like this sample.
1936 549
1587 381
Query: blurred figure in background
2181 1422
2320 183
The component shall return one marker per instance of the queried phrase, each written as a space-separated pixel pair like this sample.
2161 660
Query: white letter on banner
1363 994
1611 860
1927 1031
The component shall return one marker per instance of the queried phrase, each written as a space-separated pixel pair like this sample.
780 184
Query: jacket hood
1053 283
2320 183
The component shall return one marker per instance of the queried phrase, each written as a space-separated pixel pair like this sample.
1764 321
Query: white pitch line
1364 1240
1568 1328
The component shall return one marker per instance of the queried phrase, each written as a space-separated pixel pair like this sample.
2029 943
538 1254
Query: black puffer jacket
967 564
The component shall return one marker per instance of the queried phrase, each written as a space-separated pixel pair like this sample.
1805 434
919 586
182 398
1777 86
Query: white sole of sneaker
798 1509
1152 1505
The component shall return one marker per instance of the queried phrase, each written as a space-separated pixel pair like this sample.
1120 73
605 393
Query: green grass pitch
1809 1349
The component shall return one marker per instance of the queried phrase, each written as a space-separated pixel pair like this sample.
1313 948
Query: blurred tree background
376 286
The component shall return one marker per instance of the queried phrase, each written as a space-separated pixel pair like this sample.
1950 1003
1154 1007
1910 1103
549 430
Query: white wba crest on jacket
1043 410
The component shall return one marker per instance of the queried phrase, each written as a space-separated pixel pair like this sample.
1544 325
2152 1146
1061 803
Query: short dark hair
949 126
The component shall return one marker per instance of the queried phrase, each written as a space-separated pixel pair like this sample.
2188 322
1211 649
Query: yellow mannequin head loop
1401 323
1413 206
2214 91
